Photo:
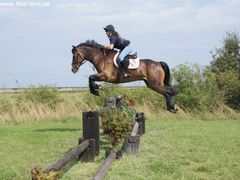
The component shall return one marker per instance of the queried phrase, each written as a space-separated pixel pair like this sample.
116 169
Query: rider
119 43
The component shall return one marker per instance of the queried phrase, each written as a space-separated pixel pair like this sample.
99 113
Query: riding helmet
109 28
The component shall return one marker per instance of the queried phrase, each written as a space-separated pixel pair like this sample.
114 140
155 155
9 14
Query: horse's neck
95 57
100 59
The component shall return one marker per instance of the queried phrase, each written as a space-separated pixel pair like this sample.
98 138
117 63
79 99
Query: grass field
175 146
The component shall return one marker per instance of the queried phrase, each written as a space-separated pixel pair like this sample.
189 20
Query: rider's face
108 33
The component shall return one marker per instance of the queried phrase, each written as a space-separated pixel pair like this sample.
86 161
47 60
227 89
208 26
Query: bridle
76 65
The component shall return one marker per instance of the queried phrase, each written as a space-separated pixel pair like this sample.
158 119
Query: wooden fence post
132 141
131 144
113 101
140 118
89 154
91 128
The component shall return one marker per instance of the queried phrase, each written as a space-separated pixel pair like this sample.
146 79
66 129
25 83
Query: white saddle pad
133 63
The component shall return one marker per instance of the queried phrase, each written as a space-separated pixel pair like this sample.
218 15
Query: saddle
134 60
132 56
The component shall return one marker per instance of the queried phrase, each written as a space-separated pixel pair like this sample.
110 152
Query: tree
226 65
228 57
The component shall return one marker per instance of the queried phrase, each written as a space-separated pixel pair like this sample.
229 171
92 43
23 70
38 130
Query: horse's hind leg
164 90
170 103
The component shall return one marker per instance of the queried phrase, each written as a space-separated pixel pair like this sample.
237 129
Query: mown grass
24 146
175 146
184 147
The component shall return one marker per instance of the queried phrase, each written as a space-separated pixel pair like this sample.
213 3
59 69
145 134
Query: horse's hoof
172 110
94 92
97 93
96 86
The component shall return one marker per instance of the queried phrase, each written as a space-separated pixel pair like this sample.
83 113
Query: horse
156 75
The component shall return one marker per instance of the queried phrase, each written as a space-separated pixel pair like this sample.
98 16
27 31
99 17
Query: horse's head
78 59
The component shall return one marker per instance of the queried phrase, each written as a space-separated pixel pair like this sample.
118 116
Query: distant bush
199 89
144 95
141 95
107 90
41 95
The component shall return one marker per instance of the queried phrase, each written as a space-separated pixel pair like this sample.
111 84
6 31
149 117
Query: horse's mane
90 43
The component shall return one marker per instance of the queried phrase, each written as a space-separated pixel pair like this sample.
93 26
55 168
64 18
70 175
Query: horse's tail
172 90
167 73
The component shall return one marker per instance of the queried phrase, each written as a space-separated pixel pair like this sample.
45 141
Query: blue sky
36 39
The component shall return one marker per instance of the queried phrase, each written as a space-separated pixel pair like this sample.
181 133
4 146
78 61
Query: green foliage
141 95
226 65
229 84
144 95
41 95
107 90
227 57
118 122
199 90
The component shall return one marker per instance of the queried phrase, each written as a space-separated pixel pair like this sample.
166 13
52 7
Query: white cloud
177 31
159 16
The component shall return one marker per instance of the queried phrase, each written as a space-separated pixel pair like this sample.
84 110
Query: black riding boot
125 64
119 62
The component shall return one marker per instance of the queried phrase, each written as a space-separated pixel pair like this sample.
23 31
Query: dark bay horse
156 75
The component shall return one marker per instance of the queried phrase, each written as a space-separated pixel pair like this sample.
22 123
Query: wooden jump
89 145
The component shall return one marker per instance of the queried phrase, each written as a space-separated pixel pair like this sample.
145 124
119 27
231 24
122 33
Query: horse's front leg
92 85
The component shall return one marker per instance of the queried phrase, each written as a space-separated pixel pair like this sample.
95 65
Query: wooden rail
59 164
106 164
135 129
